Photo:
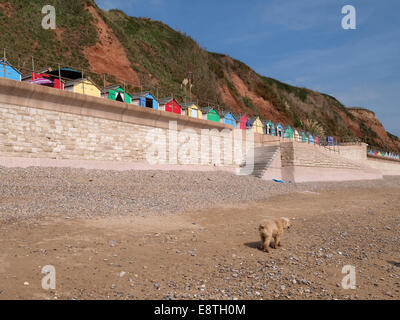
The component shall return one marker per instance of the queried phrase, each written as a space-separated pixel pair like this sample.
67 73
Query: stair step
262 159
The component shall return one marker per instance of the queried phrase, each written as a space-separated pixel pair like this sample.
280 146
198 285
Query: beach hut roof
254 118
112 87
138 95
163 101
224 113
67 73
77 81
9 64
187 105
288 128
208 109
238 116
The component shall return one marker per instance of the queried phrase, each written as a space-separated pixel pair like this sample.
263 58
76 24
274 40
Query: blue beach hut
228 118
279 130
145 99
7 71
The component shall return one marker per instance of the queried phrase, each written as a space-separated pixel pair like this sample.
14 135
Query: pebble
112 243
112 192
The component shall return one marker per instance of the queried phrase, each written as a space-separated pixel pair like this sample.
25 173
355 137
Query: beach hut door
194 113
149 103
119 97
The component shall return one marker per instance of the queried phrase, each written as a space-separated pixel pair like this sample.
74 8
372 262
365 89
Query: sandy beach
193 235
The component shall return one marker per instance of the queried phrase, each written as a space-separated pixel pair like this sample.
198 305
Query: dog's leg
262 241
267 243
277 241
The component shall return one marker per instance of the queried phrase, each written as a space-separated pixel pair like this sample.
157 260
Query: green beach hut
210 114
289 132
116 93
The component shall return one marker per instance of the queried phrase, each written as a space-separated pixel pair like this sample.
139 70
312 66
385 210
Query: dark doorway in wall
149 103
119 97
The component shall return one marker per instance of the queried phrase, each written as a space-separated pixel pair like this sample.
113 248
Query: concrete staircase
263 156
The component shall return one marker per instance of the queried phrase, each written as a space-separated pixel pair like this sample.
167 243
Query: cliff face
373 131
150 55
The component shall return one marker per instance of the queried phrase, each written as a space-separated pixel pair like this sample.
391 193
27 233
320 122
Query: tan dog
272 229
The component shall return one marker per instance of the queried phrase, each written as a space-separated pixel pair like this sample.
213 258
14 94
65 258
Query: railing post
59 76
4 63
33 65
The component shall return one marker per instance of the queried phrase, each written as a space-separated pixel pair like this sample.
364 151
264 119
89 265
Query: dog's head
286 223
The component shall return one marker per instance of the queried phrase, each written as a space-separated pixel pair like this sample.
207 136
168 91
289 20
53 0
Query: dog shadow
396 264
257 245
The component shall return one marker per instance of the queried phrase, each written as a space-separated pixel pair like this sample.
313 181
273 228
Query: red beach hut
241 121
170 105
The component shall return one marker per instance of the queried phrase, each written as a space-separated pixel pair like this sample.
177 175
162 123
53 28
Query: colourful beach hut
44 78
170 105
311 139
289 132
83 86
304 137
297 136
116 93
279 130
7 71
317 140
210 114
241 120
228 118
270 128
191 110
256 124
144 99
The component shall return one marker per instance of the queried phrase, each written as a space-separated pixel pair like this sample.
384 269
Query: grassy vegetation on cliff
22 34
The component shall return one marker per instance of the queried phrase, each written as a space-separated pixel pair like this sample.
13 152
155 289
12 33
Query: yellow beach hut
83 86
257 125
191 110
297 136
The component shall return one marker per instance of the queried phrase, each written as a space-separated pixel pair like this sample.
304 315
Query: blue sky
300 42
